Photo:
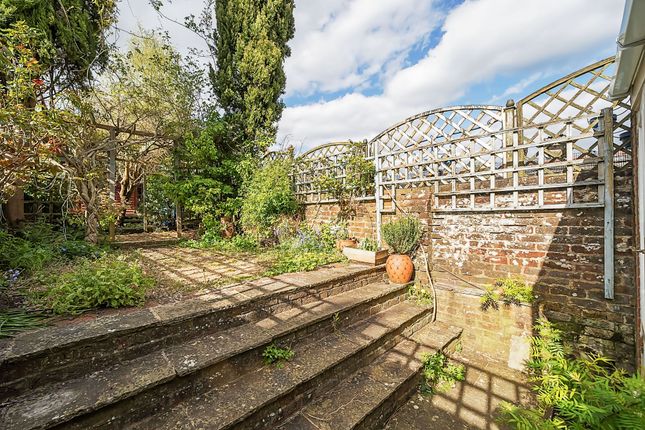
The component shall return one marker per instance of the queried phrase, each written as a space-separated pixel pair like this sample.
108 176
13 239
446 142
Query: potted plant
366 252
343 240
402 236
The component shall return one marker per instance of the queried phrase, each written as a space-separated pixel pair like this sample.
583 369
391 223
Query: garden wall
560 252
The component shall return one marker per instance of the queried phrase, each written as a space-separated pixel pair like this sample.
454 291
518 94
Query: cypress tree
251 45
72 30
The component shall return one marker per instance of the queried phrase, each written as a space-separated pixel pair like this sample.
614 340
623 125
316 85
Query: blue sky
358 66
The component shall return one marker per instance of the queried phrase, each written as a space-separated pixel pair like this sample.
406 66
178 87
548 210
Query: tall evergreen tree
73 32
251 45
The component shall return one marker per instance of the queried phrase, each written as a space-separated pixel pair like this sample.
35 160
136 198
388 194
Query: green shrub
212 240
368 244
274 354
439 374
106 282
267 197
508 291
34 247
403 235
576 393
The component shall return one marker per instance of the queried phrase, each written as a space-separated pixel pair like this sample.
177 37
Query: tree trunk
91 225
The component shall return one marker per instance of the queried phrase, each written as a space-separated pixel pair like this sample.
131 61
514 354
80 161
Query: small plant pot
400 268
374 258
342 243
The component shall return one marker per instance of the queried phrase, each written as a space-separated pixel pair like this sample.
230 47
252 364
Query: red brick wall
560 252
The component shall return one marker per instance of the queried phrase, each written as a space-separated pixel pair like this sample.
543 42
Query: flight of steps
198 364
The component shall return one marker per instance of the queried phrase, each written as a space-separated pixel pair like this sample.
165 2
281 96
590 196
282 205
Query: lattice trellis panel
425 145
576 101
321 161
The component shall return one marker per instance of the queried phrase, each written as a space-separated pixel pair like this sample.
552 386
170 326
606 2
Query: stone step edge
402 392
382 406
355 357
173 369
58 338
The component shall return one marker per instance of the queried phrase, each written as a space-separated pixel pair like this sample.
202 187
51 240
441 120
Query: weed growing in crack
439 375
273 354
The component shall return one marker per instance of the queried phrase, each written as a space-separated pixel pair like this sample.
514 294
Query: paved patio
200 267
471 404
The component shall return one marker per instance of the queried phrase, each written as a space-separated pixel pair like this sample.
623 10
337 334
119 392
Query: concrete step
57 354
370 396
263 398
189 368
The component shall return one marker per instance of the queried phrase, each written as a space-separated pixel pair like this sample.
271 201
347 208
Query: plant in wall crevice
508 291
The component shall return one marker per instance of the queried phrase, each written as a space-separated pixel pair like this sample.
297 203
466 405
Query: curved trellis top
451 124
539 153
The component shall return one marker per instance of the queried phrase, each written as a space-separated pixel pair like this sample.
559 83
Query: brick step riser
94 354
164 396
272 415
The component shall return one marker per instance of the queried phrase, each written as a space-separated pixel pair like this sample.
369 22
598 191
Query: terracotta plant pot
400 268
342 243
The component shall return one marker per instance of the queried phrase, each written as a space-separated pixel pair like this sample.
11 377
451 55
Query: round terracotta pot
342 243
400 268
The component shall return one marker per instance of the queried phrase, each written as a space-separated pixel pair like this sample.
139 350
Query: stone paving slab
471 404
348 405
199 267
49 338
43 408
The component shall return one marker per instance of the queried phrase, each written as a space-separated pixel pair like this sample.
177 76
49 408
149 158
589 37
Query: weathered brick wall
560 252
500 334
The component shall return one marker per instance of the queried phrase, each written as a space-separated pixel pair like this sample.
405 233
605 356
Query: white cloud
340 44
483 39
138 13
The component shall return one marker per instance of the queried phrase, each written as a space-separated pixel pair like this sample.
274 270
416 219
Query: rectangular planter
370 257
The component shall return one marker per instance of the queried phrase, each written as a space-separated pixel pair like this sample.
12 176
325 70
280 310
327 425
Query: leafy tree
73 32
250 42
151 89
26 130
203 176
268 196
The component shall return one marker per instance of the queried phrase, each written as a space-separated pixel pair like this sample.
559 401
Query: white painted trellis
555 149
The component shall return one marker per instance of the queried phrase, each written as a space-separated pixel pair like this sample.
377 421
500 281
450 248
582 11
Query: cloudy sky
358 66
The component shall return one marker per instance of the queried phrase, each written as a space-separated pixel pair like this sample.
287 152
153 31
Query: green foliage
250 43
25 128
576 393
508 291
368 244
13 321
268 197
403 235
239 243
203 176
107 282
439 374
34 247
72 32
420 295
273 354
289 261
356 182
